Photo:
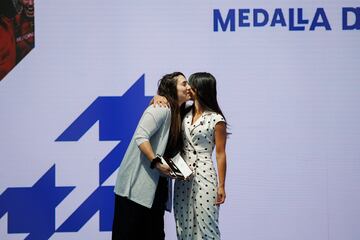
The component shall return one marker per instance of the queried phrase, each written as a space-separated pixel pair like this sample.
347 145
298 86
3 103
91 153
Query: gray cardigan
135 179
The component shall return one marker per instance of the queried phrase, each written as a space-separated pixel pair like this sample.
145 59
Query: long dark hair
204 84
168 88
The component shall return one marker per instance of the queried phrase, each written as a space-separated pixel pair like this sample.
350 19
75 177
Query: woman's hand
221 195
160 101
164 169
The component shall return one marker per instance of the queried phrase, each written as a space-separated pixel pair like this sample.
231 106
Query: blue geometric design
118 118
101 199
32 210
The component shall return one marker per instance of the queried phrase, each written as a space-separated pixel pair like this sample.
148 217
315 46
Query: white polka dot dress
196 214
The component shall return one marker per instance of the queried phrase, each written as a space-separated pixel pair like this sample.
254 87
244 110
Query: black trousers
133 221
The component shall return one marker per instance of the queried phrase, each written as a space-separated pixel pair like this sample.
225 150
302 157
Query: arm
147 150
150 122
220 142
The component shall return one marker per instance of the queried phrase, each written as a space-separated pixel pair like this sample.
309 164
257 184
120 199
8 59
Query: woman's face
192 93
183 89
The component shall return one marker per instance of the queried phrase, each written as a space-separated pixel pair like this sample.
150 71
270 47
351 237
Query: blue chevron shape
32 209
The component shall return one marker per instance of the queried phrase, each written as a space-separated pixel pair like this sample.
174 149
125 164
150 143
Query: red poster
16 32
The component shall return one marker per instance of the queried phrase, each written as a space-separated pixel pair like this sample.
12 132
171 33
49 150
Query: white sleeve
216 118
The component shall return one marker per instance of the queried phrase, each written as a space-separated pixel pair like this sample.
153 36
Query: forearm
221 165
147 150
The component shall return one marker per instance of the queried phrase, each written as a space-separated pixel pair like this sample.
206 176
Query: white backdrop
291 98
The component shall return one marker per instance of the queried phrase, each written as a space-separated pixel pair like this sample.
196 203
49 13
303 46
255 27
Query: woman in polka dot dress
197 200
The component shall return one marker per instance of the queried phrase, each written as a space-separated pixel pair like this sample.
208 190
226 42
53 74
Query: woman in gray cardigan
142 189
